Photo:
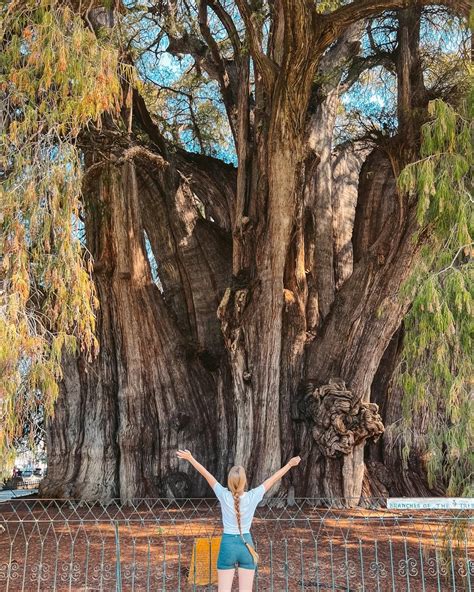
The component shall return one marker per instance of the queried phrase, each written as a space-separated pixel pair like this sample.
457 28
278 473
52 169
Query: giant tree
243 311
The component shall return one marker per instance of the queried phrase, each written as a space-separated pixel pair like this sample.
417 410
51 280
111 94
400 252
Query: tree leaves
437 370
51 64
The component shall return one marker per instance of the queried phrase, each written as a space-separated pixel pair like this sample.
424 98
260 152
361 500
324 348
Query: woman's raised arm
279 474
186 455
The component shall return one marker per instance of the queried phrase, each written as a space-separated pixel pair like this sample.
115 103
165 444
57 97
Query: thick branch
195 47
336 22
412 100
214 183
211 42
193 254
267 67
225 76
228 24
146 123
361 64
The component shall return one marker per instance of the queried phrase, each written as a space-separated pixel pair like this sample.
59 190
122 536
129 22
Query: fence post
118 567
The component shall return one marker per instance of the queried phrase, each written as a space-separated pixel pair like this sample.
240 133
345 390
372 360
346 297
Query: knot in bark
230 313
340 421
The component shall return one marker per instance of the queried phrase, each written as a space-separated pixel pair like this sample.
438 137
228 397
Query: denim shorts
234 553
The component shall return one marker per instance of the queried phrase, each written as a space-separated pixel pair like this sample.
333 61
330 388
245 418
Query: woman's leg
245 579
224 579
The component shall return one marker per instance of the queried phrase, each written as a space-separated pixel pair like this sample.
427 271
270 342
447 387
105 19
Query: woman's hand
270 482
294 461
185 455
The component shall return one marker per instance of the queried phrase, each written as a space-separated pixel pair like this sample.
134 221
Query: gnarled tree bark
279 280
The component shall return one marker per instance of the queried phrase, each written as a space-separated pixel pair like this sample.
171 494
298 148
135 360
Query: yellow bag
203 568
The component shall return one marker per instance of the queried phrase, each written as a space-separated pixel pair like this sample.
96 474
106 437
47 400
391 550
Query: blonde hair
236 482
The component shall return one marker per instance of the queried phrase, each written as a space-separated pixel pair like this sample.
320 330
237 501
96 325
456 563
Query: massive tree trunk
278 282
367 310
120 419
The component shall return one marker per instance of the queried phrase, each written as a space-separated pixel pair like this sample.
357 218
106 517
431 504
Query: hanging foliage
57 78
436 372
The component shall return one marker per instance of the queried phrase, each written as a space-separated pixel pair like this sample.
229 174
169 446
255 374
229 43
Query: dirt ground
65 546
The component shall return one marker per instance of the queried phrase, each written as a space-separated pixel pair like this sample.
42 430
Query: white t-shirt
248 503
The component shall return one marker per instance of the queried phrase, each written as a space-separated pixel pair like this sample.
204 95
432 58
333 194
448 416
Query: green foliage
190 115
325 6
56 79
437 368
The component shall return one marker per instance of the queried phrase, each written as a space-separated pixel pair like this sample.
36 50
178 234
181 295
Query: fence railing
312 545
21 483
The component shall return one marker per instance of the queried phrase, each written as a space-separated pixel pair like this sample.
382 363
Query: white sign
430 503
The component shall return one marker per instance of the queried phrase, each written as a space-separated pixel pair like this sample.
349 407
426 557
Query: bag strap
249 546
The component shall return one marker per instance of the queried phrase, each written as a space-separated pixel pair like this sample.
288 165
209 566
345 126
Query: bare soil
65 546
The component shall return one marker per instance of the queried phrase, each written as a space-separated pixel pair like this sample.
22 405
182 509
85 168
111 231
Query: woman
238 507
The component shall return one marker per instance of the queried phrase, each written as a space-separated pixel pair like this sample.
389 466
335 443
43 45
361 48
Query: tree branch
225 77
267 67
147 124
209 39
208 57
228 24
360 64
337 21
